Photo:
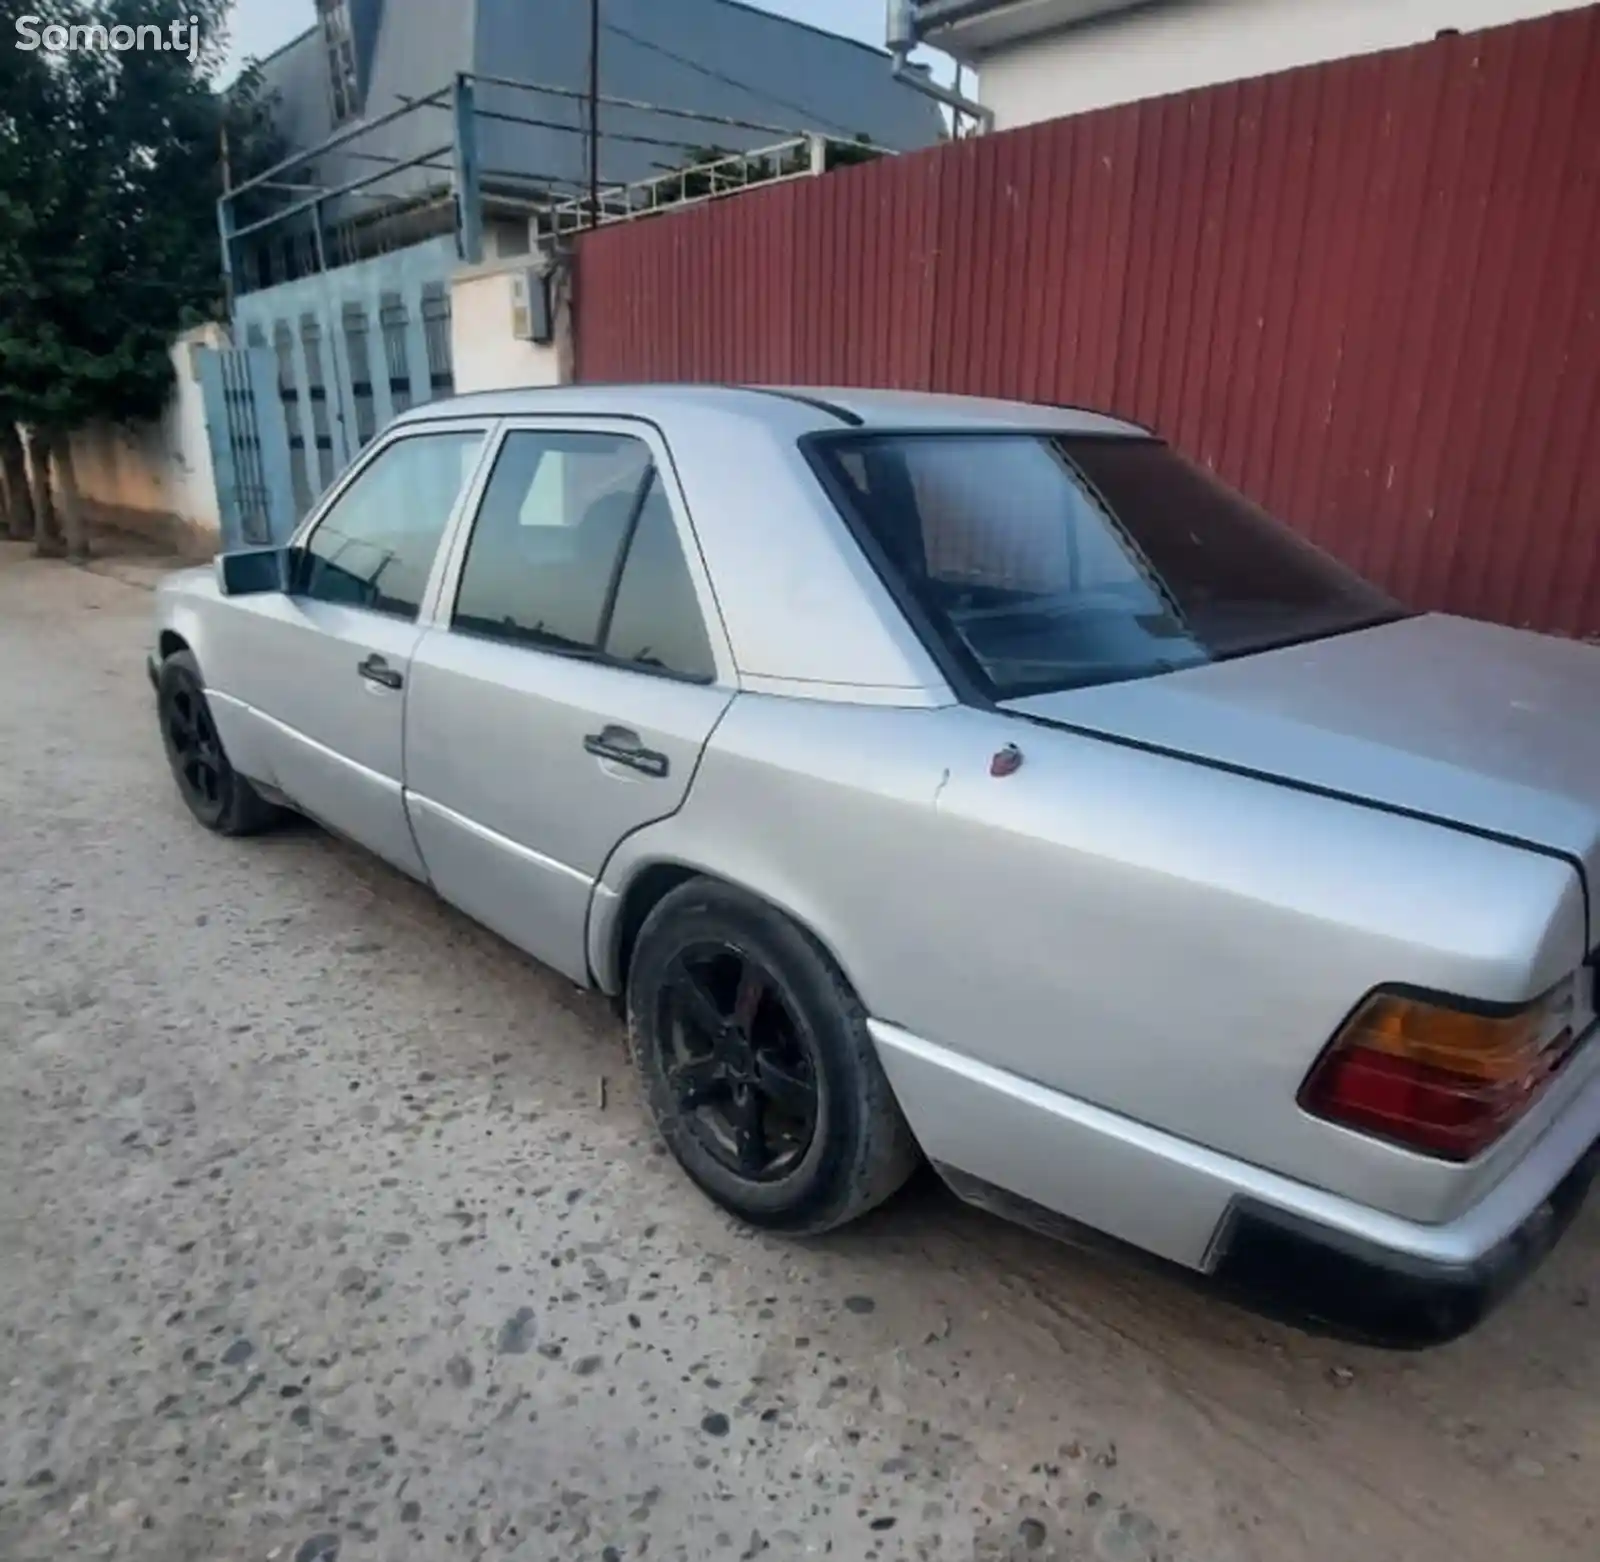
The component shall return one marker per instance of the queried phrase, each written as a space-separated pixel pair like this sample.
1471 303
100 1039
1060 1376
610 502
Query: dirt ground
318 1239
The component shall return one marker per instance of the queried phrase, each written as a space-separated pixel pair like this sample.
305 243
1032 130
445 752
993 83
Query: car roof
821 407
806 613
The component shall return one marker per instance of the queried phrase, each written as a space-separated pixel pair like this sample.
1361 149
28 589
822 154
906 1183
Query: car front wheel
221 799
757 1064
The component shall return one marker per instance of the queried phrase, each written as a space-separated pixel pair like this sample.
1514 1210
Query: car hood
1473 724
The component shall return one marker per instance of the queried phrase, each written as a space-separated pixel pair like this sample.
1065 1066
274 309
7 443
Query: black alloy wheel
737 1062
758 1065
198 764
214 792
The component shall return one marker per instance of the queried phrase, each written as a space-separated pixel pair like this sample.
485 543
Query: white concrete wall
156 479
1183 44
487 355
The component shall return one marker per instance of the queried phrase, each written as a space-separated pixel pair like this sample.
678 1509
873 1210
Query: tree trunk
47 540
74 527
19 496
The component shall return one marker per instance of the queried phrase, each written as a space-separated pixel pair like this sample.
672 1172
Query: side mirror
253 571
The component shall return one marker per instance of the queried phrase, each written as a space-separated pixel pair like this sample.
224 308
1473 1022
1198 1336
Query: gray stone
1126 1535
516 1333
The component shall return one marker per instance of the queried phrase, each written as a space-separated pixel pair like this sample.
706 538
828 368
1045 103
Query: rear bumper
1325 1279
1295 1250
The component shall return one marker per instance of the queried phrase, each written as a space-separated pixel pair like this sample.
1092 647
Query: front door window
375 548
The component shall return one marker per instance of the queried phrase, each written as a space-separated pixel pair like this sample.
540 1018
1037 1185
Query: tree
27 96
17 497
110 169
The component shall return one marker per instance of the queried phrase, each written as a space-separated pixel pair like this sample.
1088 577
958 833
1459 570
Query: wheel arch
180 626
169 643
618 914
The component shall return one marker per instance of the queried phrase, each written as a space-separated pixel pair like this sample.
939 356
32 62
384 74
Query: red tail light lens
1439 1080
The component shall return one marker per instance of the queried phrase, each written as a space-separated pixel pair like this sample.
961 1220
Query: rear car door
316 678
576 673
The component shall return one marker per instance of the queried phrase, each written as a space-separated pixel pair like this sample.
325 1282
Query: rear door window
576 550
656 621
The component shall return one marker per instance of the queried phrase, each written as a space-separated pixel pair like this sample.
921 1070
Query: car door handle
376 670
623 747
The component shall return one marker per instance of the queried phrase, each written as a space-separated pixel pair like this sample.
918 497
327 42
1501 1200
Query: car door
316 677
575 673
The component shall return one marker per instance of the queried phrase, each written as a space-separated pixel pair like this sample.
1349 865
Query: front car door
575 674
312 683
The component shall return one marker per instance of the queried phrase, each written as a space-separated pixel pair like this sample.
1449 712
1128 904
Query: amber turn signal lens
1443 1081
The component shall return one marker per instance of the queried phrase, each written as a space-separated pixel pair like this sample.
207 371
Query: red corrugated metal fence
1366 292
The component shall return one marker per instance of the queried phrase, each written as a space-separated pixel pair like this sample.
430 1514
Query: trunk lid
1469 723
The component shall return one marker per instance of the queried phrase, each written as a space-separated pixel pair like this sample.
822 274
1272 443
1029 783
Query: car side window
575 550
656 621
375 548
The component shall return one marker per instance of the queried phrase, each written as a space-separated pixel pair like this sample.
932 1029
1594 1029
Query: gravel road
320 1237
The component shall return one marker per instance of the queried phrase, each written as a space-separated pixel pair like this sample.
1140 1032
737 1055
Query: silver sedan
978 780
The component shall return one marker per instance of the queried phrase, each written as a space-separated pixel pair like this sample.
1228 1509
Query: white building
1043 59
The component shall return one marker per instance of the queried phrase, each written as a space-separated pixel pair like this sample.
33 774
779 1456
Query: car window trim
324 507
619 565
663 464
508 639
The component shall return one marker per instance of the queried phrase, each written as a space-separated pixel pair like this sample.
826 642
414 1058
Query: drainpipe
903 38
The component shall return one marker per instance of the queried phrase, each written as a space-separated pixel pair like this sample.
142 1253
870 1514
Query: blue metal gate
249 445
324 363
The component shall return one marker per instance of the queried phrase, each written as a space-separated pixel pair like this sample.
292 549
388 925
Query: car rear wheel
757 1064
221 799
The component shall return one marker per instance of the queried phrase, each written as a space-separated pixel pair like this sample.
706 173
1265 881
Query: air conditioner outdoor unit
531 319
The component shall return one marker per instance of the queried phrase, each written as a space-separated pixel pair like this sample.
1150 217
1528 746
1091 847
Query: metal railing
286 222
800 157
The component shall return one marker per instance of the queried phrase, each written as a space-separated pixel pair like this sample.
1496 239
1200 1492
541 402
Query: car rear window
1044 563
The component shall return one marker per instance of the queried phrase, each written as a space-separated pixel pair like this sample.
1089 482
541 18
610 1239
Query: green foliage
110 168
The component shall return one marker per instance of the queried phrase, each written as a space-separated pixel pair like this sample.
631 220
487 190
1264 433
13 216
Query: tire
217 795
804 1037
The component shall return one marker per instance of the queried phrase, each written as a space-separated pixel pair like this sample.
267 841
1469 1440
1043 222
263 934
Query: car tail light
1441 1080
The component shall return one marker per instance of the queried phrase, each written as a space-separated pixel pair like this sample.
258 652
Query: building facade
720 60
1045 59
421 137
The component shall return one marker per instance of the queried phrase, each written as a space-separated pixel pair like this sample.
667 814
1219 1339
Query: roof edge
967 29
299 38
